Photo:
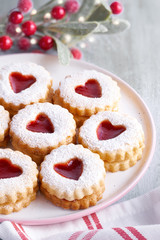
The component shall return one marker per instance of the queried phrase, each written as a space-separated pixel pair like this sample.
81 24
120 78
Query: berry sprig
29 28
5 43
116 7
59 27
16 17
46 43
71 6
24 5
58 12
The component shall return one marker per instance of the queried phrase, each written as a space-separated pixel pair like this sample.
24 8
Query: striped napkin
134 219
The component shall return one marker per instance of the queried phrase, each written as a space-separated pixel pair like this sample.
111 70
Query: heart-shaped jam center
9 170
42 124
107 131
20 82
71 169
92 89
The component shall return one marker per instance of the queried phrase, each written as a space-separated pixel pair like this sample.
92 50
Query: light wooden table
135 57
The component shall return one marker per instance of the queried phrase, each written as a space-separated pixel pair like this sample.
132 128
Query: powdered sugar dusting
32 94
14 185
62 120
4 120
110 90
93 170
129 138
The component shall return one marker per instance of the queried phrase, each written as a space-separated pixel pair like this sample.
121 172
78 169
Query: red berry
24 43
58 12
11 29
46 43
29 28
71 6
16 17
76 53
25 5
116 7
5 43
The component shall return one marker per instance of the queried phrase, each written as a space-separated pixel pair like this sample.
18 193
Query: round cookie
41 127
22 84
87 93
72 177
116 137
18 181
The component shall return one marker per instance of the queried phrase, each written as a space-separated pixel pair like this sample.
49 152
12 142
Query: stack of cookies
87 93
18 181
77 180
42 126
116 137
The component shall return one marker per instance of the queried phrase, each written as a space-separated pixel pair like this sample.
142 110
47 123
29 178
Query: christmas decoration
76 53
46 43
71 6
24 43
116 7
16 17
24 5
58 12
59 25
29 28
5 43
11 29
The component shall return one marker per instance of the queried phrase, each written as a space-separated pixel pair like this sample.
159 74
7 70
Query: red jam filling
71 169
107 131
20 82
9 170
42 124
92 89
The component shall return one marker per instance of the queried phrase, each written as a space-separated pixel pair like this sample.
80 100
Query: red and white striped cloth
138 218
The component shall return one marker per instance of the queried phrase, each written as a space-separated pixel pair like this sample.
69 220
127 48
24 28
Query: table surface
134 56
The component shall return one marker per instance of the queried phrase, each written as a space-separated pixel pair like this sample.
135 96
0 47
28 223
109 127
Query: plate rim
100 206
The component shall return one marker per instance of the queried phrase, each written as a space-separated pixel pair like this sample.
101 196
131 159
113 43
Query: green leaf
75 40
100 29
99 14
106 5
2 28
63 51
116 25
73 28
84 11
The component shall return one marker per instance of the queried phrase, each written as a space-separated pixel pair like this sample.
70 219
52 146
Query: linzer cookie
4 126
72 177
87 93
18 181
41 127
22 84
116 137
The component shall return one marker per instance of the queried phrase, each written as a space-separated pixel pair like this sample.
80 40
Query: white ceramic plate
41 211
